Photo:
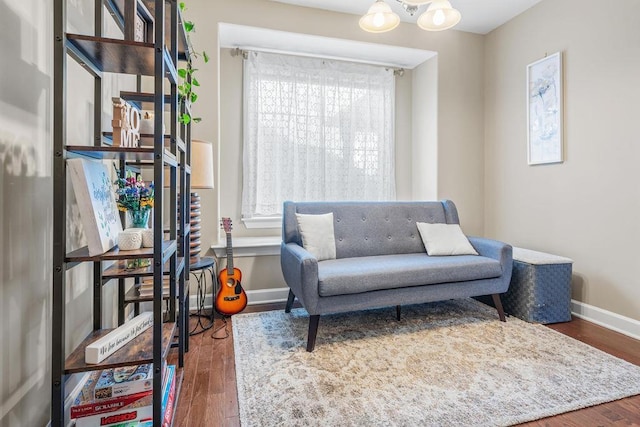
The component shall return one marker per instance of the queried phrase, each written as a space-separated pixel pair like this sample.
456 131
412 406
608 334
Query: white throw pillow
444 239
317 235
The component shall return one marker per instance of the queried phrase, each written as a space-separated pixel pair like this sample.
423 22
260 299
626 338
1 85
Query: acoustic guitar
231 298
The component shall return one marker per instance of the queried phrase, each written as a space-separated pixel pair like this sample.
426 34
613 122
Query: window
315 130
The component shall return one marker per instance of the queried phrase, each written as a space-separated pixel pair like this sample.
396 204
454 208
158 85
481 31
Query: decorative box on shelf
116 339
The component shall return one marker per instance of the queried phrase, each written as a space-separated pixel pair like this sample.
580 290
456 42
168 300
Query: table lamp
201 178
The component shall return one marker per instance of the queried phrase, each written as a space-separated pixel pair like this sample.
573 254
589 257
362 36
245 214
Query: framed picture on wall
544 110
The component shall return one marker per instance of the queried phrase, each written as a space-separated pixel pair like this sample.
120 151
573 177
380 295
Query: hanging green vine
188 80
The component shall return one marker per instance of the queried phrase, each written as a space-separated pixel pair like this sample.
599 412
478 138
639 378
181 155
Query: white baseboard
193 299
606 319
261 296
266 296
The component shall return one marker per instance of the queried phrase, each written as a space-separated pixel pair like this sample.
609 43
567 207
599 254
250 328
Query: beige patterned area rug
444 364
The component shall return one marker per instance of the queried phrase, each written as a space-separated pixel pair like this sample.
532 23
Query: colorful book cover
93 407
97 204
115 382
168 391
125 411
129 415
168 406
168 401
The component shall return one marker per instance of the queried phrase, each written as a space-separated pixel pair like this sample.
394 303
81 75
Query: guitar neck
229 255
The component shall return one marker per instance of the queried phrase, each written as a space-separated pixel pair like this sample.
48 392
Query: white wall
460 124
26 206
586 208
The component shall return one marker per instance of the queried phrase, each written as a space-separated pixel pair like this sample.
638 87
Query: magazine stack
123 397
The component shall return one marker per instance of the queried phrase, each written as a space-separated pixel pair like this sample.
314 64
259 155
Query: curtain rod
398 72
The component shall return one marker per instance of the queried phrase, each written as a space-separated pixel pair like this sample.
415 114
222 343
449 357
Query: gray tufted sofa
381 260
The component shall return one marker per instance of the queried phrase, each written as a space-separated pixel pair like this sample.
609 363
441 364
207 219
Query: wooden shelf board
120 56
147 140
139 350
132 296
144 100
118 270
138 154
82 254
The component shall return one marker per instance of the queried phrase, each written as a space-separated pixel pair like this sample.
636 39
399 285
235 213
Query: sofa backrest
371 228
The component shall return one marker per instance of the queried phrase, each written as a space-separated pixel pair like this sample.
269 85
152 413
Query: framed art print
544 110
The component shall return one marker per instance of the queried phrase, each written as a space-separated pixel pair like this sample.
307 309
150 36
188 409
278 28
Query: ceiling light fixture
440 15
379 18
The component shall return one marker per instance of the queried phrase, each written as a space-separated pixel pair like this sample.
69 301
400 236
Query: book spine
169 406
124 389
116 418
116 339
170 373
108 405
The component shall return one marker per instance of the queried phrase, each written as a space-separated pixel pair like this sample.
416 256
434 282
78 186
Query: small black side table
199 270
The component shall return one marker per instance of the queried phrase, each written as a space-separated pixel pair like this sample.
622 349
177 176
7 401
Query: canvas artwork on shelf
544 110
96 203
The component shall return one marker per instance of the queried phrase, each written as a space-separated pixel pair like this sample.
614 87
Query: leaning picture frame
544 110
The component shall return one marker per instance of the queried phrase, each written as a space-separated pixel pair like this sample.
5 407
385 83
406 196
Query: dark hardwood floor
209 398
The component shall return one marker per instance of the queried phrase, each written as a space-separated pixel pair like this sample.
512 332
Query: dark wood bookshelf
137 154
137 351
144 100
118 270
116 7
184 53
146 139
82 254
151 45
120 56
133 295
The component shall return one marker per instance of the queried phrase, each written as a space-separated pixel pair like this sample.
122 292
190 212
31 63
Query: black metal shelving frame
159 59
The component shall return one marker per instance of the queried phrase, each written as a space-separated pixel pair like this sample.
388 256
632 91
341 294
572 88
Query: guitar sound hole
231 283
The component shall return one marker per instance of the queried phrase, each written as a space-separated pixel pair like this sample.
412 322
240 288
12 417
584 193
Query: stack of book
123 397
146 287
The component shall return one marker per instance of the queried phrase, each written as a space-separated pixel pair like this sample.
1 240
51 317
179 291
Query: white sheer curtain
315 129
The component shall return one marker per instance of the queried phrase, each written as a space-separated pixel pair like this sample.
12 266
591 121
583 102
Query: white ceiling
478 16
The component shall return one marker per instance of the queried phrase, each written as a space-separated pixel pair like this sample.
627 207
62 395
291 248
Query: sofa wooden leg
290 299
313 331
398 312
498 304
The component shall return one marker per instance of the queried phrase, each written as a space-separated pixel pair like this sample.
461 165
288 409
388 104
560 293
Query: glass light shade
379 18
416 2
439 16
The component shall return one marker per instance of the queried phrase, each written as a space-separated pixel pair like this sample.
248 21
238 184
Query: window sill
250 247
263 222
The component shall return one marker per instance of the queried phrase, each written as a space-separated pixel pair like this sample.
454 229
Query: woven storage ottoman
540 289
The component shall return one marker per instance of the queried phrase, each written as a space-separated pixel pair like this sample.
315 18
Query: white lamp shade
379 18
201 164
439 16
